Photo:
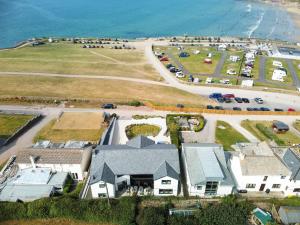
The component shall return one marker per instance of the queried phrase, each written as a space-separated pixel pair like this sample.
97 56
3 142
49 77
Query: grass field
232 65
269 68
142 129
194 63
87 127
226 135
287 138
296 64
9 124
50 222
68 58
297 125
107 90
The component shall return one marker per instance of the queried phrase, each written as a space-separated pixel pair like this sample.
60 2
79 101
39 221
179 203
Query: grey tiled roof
165 170
135 159
289 215
104 173
293 163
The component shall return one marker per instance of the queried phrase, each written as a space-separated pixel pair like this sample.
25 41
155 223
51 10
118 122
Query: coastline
293 9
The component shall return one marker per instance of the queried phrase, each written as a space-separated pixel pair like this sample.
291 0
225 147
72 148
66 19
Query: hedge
269 134
121 211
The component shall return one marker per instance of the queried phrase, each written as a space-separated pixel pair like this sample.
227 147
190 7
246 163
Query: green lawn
269 68
9 124
263 131
255 70
297 125
69 58
194 63
226 135
142 129
232 65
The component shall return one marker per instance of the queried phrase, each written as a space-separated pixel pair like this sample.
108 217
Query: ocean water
24 19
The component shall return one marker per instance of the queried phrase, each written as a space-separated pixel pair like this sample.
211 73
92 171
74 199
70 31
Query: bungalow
70 160
32 183
138 166
206 170
255 168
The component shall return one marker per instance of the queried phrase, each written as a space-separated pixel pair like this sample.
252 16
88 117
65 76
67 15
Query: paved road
262 64
291 68
220 64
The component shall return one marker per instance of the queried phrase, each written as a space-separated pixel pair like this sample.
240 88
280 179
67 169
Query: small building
206 170
280 127
255 168
32 183
234 58
289 215
72 160
138 165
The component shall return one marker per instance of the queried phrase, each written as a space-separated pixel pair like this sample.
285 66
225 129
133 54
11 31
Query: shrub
39 208
200 125
135 103
12 210
134 130
269 134
153 216
68 184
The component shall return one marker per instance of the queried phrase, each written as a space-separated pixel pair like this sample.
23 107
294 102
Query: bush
12 211
135 103
39 208
153 216
134 130
68 184
200 125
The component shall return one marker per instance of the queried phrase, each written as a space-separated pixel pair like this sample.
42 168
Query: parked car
245 100
250 109
278 110
291 110
264 109
238 100
280 127
246 74
169 66
209 107
259 100
215 95
180 75
219 108
220 100
228 96
237 109
231 72
227 100
108 106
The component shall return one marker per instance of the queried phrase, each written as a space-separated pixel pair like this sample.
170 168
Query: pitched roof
105 174
206 162
292 161
289 215
165 170
51 156
140 142
131 159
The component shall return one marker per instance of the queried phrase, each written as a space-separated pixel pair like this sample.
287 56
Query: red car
228 96
291 110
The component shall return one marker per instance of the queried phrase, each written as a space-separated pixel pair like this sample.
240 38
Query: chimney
32 161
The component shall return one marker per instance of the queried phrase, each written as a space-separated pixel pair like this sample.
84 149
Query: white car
180 75
231 72
259 100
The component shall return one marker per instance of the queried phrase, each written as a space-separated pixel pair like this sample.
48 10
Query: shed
289 215
280 127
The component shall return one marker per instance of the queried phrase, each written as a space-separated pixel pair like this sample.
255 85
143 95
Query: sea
24 19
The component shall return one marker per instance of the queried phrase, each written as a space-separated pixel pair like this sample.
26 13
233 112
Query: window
102 186
165 191
265 178
165 181
276 186
250 185
74 176
211 187
101 195
199 187
283 177
296 190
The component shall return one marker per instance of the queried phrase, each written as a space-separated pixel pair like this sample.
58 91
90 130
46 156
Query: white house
234 58
255 168
70 160
206 170
138 165
292 161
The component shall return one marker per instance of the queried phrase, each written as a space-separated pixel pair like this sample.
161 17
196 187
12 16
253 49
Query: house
292 161
138 165
255 168
280 127
32 183
72 160
289 215
206 170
